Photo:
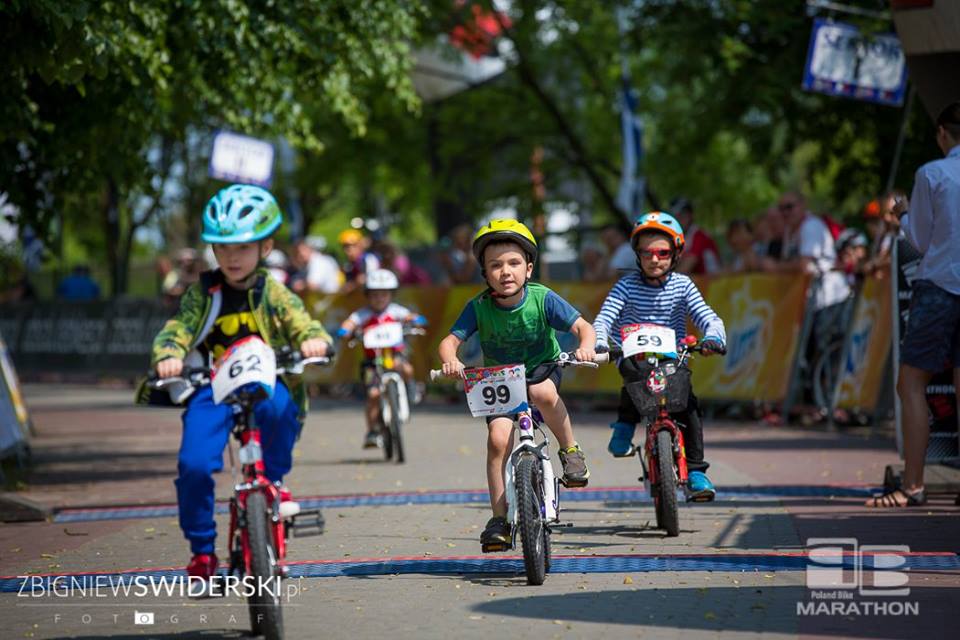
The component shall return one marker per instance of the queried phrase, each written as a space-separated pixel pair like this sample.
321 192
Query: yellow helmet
350 236
504 230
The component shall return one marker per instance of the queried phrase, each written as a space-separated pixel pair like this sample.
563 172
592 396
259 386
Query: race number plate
383 336
248 360
493 391
649 338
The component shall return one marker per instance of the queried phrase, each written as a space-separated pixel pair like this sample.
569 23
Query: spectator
741 241
457 256
931 341
621 255
809 248
78 286
395 260
19 288
700 254
186 271
768 232
276 264
852 255
593 266
882 230
311 269
359 260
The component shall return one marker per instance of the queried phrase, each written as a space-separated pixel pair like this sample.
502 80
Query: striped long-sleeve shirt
633 301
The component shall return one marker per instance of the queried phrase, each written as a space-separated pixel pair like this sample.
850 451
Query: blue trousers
206 428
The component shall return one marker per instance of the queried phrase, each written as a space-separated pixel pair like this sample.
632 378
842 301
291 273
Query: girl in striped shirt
656 294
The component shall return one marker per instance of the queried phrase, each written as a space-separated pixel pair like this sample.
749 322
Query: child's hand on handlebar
453 369
710 346
169 367
585 354
315 347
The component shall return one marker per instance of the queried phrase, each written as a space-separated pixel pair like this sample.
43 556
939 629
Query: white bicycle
386 341
532 489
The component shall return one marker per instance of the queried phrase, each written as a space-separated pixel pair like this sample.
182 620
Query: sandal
890 500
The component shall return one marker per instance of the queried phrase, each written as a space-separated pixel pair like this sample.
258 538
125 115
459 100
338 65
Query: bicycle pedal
700 498
307 523
559 525
494 547
573 484
629 454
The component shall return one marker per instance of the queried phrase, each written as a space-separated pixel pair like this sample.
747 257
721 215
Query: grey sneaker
373 440
575 472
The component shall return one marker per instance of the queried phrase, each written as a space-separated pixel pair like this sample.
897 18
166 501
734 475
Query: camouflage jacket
281 320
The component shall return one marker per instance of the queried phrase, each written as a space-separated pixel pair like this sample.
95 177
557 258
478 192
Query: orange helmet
660 222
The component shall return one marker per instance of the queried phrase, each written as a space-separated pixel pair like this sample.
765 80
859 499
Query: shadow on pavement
749 609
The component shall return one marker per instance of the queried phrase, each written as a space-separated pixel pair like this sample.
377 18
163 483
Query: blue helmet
240 213
661 222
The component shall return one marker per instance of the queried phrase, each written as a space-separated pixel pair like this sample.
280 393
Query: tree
98 98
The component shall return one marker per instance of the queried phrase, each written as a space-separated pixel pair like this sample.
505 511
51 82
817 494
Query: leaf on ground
628 580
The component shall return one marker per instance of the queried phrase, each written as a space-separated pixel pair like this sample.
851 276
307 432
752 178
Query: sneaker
575 472
621 441
373 440
699 487
496 535
203 565
288 506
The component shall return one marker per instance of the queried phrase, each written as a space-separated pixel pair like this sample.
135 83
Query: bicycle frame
527 423
384 361
246 432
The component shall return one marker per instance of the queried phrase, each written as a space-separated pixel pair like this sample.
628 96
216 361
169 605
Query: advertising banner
866 349
762 314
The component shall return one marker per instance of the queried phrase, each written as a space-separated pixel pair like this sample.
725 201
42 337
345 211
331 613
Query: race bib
383 336
248 360
493 391
649 338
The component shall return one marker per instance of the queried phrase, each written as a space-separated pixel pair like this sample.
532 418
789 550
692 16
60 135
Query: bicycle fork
551 493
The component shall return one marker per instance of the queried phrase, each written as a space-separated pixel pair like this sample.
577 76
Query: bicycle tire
530 519
385 428
266 617
667 518
826 373
395 427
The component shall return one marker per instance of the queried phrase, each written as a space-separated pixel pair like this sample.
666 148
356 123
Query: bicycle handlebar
199 376
565 360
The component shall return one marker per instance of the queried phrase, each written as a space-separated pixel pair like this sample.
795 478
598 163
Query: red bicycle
259 525
663 461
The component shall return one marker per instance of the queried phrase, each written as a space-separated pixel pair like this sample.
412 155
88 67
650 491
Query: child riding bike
381 284
237 300
517 321
656 294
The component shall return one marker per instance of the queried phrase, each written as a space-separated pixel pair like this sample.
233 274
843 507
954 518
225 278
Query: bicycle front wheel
266 618
530 510
667 517
395 427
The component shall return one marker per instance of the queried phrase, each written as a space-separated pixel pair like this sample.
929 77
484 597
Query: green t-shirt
525 333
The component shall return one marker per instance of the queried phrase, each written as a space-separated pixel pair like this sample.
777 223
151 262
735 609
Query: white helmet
382 280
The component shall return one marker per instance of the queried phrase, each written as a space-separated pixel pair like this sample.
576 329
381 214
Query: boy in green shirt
517 321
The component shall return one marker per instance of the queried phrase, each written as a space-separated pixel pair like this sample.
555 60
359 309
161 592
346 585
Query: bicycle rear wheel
826 374
667 517
266 618
530 519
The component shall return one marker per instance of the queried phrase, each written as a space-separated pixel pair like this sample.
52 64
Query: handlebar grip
436 373
602 358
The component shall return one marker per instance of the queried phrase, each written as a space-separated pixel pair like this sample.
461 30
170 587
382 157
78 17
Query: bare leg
373 408
544 395
499 440
911 387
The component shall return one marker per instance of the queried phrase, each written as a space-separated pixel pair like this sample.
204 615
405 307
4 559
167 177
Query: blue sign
841 61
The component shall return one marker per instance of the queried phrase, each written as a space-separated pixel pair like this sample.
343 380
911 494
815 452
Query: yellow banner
763 315
867 348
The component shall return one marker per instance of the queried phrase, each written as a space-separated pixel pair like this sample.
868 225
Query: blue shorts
932 339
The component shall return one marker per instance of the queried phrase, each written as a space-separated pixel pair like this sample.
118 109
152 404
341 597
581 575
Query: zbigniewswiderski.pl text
102 586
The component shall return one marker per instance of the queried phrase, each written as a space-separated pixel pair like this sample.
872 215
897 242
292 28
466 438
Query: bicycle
259 525
666 389
532 488
385 340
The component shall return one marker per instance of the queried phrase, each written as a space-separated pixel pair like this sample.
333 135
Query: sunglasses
787 206
663 254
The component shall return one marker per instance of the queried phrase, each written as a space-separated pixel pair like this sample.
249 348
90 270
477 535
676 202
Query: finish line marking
454 565
477 496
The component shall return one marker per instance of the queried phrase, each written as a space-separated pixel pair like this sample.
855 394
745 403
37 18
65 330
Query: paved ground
94 449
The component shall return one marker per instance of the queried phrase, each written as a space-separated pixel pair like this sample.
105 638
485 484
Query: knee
193 466
544 395
373 393
497 443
